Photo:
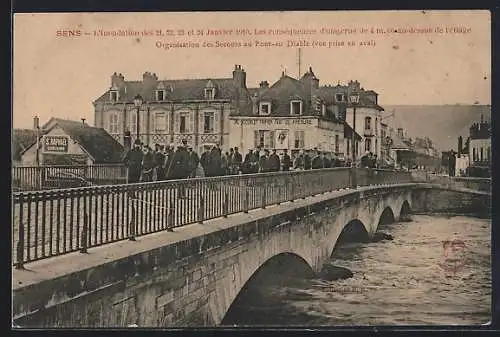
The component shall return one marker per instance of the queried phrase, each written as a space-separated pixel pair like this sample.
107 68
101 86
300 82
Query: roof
21 140
348 130
182 89
398 143
95 141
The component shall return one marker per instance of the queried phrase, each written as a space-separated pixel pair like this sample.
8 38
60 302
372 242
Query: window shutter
176 122
273 134
216 121
191 122
201 122
255 138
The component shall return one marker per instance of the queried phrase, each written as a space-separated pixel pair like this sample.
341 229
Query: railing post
201 209
20 243
246 205
225 208
264 198
84 236
132 223
292 189
170 218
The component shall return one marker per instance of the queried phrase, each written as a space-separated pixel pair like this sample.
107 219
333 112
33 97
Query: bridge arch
353 231
277 270
387 217
404 214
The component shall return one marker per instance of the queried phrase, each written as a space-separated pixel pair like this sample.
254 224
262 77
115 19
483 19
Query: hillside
441 123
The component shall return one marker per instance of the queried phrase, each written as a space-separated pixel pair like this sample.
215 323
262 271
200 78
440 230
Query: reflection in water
403 281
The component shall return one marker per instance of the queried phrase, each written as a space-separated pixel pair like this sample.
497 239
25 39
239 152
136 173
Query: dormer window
113 95
209 93
264 108
160 95
339 97
295 107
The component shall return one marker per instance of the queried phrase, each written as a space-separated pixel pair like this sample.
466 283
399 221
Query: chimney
406 134
149 80
400 132
239 77
460 146
264 84
36 122
117 80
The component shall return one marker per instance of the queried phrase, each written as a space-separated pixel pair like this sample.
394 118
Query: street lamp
138 103
354 100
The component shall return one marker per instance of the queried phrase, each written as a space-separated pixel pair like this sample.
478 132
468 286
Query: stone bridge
192 276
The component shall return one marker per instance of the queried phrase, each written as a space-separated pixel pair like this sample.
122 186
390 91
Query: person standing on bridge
194 160
286 161
264 162
298 163
307 160
317 162
274 162
180 166
237 159
159 159
133 162
147 164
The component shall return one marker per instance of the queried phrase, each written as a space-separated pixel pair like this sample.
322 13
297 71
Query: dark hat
184 141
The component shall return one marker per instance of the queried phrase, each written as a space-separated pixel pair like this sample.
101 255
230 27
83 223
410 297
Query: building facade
293 114
480 144
66 142
193 109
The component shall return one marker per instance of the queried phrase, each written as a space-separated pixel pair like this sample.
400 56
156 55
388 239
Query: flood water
411 280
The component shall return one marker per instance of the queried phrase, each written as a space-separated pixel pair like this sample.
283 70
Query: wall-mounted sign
55 144
281 140
275 121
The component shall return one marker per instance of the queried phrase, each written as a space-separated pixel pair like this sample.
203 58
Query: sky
61 76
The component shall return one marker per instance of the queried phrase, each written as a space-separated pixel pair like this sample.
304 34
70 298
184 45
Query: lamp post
354 100
138 103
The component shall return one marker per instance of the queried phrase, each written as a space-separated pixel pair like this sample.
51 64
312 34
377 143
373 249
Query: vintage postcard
315 168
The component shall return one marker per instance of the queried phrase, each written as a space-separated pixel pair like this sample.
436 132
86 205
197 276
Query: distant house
66 142
21 140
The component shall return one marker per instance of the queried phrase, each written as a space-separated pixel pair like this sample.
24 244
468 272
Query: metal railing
55 222
29 178
474 183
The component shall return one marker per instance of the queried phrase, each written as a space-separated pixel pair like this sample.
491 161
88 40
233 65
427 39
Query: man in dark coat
214 162
167 163
133 161
180 166
237 159
274 162
307 160
287 161
246 166
148 164
264 162
317 162
298 163
327 161
194 160
159 159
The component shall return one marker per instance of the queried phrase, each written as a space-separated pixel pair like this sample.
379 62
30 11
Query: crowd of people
167 162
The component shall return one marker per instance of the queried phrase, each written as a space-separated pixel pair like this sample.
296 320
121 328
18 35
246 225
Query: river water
414 279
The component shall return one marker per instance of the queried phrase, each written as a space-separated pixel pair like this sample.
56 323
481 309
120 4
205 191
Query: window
160 95
368 144
113 123
481 154
160 122
265 108
348 146
339 97
299 140
474 154
336 143
323 109
296 107
209 93
113 95
488 154
376 126
368 123
208 122
264 138
183 124
376 145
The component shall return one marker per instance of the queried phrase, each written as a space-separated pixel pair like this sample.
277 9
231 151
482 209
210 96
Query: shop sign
275 121
55 144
